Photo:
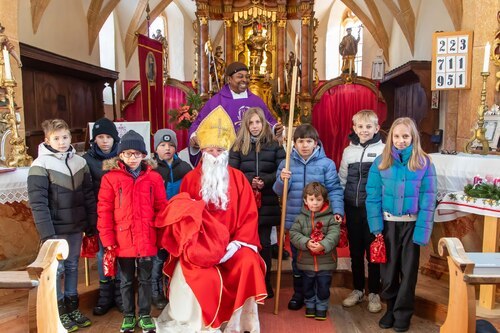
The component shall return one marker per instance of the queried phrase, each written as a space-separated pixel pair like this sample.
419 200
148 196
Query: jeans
317 289
144 268
68 268
157 271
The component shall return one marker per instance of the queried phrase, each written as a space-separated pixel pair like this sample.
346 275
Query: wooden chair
40 279
461 315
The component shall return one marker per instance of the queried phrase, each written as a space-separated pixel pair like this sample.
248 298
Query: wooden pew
461 315
40 279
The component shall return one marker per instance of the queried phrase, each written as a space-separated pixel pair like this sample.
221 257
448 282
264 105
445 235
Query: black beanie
235 67
132 140
105 126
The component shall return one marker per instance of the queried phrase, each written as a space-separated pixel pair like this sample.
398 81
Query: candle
296 49
286 80
279 85
298 86
6 61
486 61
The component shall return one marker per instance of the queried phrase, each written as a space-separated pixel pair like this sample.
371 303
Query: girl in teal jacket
401 197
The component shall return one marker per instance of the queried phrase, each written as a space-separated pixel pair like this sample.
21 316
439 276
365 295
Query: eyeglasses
448 152
128 154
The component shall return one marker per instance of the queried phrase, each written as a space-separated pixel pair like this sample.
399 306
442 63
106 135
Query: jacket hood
44 150
114 164
401 155
327 209
354 138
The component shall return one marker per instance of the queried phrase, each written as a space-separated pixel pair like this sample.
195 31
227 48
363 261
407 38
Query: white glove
230 251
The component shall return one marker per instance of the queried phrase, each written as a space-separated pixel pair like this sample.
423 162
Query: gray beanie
132 140
165 135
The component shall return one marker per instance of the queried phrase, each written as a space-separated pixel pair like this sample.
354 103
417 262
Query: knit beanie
235 67
132 140
165 135
105 126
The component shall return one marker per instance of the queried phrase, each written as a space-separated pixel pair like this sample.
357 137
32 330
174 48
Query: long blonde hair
418 158
243 141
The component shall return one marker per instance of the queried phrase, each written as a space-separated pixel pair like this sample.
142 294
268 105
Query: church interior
81 60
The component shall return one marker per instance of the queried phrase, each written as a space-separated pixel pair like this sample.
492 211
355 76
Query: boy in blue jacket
172 169
308 163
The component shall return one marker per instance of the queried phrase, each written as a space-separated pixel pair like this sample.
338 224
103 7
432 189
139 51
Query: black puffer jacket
263 164
356 162
94 157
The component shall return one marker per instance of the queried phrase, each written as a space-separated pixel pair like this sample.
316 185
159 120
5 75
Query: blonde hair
366 116
418 158
51 125
243 139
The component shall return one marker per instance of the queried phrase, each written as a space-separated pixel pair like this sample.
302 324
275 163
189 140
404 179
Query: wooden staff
281 238
87 271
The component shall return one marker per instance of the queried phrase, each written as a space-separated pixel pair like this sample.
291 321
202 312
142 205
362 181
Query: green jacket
300 234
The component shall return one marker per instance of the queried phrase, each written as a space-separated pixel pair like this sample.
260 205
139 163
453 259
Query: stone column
281 53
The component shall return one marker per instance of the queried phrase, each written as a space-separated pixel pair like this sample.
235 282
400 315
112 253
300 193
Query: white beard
215 179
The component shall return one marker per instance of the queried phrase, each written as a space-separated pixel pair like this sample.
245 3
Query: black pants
265 253
360 238
399 274
144 268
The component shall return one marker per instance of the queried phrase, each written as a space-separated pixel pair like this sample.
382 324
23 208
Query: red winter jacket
127 208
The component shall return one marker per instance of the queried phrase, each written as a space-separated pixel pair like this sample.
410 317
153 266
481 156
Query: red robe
223 288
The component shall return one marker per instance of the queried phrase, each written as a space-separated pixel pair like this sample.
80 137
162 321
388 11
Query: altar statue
6 44
163 40
219 67
256 43
348 49
289 69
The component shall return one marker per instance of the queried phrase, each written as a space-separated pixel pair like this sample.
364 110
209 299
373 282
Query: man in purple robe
236 99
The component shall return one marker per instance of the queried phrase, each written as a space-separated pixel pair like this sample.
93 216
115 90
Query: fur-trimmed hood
113 164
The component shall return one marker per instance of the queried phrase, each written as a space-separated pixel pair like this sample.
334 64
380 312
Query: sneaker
79 318
147 324
355 297
128 324
68 323
320 315
374 305
310 312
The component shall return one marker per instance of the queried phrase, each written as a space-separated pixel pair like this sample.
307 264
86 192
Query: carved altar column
228 38
305 60
281 53
204 73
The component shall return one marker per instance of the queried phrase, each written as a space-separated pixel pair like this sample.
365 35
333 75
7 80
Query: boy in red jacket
129 199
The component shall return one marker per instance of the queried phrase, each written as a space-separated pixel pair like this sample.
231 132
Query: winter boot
65 319
118 296
158 295
79 318
297 300
106 297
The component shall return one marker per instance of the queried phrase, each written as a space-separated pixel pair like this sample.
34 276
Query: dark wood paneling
59 87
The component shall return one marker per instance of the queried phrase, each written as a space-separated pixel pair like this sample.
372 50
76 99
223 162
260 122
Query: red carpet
287 320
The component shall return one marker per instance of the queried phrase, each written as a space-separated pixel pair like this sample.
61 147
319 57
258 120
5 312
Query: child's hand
338 218
315 246
111 247
285 174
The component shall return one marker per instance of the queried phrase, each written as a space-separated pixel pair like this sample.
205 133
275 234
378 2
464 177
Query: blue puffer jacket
400 191
317 168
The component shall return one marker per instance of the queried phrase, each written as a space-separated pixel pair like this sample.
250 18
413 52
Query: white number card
451 60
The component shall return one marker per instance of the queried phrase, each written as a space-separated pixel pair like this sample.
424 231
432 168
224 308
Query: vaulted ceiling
376 15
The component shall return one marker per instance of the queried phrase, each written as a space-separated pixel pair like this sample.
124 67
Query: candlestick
6 62
486 61
296 48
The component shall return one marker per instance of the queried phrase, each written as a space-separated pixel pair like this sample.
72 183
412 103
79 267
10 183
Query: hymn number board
451 60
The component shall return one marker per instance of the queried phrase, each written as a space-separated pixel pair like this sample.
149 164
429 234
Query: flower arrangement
185 114
281 106
487 188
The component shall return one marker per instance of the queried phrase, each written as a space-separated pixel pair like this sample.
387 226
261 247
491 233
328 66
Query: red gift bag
343 240
90 246
109 263
377 250
258 197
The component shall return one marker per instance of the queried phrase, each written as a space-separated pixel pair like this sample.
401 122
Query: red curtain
172 98
332 115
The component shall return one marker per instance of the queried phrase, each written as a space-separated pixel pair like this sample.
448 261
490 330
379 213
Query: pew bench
39 279
464 274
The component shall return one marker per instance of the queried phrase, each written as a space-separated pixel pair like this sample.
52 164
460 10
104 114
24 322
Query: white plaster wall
62 30
176 40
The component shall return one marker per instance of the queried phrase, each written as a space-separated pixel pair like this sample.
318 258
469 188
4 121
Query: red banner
151 77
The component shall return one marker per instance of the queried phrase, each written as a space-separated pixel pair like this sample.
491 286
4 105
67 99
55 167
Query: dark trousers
265 253
144 268
316 287
399 274
360 238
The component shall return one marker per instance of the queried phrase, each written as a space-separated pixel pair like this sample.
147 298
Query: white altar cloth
13 186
